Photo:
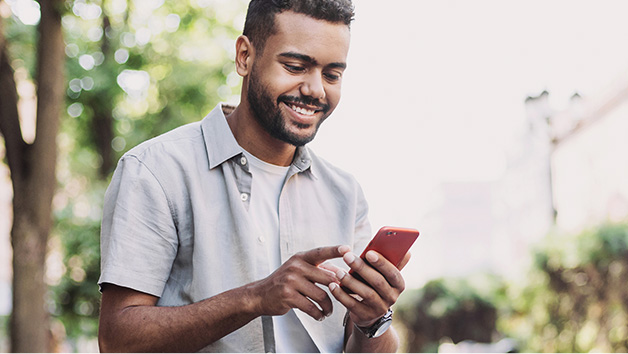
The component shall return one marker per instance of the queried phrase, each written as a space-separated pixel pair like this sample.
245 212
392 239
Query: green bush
452 310
576 299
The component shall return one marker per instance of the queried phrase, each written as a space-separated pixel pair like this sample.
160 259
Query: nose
313 86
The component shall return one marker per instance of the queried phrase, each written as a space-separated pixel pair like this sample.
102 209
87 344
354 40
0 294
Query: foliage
75 297
22 44
576 299
451 309
134 69
152 65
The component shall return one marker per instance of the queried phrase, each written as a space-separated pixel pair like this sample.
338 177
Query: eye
294 68
332 77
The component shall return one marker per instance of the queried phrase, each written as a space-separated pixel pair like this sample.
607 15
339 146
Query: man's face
295 84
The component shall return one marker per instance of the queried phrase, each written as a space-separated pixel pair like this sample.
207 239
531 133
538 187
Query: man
220 235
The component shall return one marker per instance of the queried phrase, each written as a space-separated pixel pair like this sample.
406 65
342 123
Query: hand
293 285
369 303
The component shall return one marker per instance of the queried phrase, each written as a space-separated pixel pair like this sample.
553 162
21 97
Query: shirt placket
244 179
286 228
244 182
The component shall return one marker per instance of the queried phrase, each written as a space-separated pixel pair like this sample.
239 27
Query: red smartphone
391 242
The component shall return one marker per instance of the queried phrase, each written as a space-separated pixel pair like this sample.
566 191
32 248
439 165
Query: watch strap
377 328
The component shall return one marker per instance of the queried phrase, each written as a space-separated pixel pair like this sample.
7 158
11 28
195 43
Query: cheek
276 82
280 82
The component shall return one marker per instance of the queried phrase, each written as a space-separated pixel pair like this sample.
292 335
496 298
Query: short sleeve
362 225
138 235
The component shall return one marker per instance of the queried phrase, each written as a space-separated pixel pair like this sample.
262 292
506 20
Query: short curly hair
260 17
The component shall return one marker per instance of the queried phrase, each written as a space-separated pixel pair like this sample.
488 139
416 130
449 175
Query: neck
254 138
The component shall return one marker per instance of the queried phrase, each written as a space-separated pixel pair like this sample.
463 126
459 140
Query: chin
297 139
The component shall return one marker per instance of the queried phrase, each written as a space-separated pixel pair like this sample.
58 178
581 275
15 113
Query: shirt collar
221 145
303 160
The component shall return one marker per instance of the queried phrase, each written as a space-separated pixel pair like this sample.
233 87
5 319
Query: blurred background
498 129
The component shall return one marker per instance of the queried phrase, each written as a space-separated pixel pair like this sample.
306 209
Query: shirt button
242 160
261 239
244 197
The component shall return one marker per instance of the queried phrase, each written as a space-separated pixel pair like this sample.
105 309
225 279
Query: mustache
304 100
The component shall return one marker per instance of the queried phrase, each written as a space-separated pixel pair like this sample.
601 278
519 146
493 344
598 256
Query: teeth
304 111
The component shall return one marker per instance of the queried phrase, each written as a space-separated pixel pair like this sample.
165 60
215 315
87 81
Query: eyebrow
308 59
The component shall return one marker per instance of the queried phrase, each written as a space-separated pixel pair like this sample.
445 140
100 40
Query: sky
435 91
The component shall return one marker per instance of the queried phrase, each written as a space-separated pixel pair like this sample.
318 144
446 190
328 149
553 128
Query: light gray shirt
176 224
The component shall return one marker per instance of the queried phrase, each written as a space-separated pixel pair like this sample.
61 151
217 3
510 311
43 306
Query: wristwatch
379 327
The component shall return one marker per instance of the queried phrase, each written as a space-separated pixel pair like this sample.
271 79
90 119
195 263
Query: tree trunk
34 181
101 103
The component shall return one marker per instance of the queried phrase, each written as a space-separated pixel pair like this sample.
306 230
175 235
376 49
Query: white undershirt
268 180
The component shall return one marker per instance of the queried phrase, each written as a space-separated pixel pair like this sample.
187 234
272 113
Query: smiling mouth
303 106
302 110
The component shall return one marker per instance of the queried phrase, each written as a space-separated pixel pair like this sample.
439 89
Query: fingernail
344 249
371 256
333 286
349 258
340 274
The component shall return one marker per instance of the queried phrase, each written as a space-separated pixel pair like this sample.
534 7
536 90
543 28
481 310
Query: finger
320 275
328 267
362 270
343 297
319 255
363 314
306 305
296 271
405 260
319 297
356 288
385 280
386 269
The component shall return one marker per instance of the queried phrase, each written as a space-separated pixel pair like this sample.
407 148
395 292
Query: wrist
378 327
251 300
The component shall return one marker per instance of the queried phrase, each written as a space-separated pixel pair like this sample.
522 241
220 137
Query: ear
244 55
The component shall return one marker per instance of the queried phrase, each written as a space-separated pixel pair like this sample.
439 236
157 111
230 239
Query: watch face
383 328
379 327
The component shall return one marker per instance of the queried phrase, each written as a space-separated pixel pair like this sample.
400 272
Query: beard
268 114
